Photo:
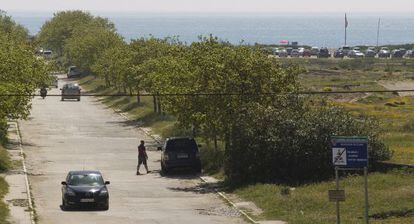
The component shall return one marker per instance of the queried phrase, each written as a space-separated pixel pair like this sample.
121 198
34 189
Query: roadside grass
397 118
390 197
5 164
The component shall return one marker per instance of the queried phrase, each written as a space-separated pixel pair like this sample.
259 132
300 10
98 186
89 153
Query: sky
309 6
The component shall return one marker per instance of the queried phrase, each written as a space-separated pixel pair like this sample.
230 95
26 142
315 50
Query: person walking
142 157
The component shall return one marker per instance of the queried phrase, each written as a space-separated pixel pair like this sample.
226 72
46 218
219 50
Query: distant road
70 135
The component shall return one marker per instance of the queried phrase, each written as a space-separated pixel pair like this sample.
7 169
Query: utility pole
378 31
346 26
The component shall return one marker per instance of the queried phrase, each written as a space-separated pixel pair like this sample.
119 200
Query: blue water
310 29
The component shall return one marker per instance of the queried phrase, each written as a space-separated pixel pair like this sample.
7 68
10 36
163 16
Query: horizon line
207 12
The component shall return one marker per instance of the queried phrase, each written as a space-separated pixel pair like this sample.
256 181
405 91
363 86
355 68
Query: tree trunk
154 98
159 106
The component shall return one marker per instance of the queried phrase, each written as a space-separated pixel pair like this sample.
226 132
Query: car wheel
79 99
106 206
164 169
64 204
62 99
197 169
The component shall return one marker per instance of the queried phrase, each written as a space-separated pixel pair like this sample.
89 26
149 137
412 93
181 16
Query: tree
116 68
55 32
88 44
10 28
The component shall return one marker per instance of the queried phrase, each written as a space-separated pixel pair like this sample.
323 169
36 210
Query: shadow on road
201 188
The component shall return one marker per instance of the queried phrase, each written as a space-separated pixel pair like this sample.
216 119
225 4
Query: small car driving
85 187
71 91
180 152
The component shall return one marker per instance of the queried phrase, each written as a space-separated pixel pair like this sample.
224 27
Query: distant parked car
71 91
355 54
398 53
275 51
180 152
304 52
371 52
324 53
283 53
384 52
47 54
295 53
315 51
410 54
289 50
345 49
339 53
85 188
74 72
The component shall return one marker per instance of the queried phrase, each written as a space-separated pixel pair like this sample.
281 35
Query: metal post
366 195
338 217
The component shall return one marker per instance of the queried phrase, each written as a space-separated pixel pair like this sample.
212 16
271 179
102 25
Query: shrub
5 162
292 144
3 131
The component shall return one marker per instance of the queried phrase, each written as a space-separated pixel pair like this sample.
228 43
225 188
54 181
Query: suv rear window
185 144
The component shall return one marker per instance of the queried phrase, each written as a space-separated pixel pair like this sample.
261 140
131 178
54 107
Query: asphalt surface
70 135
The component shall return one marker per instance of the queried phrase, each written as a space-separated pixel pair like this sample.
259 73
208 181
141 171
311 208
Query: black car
85 188
339 53
324 53
398 53
180 152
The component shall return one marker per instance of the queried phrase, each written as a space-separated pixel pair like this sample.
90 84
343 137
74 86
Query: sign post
350 153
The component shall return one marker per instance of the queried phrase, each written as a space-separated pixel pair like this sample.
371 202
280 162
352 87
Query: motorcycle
43 92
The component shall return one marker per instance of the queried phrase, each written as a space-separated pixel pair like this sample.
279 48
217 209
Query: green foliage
4 210
5 162
55 32
20 73
13 30
3 131
88 44
292 142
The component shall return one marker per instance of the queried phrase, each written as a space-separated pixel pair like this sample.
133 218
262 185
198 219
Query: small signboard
350 152
336 195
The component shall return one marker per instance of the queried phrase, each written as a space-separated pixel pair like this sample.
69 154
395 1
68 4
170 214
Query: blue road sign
350 152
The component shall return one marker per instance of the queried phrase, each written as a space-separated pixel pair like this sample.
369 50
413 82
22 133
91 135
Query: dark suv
324 53
180 153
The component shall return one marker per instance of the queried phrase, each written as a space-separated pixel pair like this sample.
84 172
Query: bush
292 144
5 161
3 131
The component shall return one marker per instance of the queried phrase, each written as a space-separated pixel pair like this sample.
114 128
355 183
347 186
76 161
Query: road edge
227 200
28 189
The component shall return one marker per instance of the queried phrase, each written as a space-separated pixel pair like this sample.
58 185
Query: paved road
71 135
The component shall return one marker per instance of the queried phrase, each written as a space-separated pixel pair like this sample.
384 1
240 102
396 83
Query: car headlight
103 192
70 192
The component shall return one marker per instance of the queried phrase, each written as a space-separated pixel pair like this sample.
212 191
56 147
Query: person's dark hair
142 142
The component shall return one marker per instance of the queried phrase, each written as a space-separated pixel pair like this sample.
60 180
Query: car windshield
86 180
181 145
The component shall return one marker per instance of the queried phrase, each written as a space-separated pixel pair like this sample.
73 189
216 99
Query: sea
314 29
